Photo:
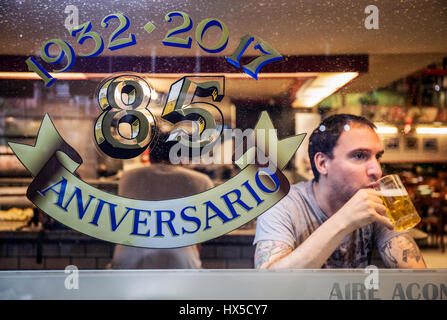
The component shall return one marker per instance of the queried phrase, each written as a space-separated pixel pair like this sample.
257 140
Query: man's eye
360 156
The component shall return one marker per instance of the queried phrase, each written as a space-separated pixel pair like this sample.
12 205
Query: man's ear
321 163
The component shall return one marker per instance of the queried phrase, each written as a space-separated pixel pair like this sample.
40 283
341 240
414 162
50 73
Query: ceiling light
325 84
386 129
431 130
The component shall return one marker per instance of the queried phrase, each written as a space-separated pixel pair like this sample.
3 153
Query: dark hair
325 136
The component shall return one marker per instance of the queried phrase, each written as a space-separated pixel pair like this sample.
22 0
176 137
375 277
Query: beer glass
399 208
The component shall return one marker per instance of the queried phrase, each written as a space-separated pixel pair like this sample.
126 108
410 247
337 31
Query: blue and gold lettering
160 221
137 221
81 209
238 200
112 212
60 193
252 192
189 218
219 214
272 176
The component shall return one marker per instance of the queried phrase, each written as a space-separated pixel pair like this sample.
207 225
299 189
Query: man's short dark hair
325 136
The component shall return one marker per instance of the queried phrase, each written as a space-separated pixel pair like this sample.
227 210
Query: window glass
203 73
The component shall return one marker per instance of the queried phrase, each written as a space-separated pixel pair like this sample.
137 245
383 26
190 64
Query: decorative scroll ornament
58 192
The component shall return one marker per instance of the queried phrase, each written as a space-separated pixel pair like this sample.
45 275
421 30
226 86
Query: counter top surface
224 284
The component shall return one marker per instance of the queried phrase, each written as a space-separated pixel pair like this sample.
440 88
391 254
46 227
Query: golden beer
399 209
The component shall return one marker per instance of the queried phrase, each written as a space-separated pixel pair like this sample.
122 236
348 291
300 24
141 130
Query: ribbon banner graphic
58 192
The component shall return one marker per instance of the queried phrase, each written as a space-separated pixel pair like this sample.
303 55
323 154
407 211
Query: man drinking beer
336 219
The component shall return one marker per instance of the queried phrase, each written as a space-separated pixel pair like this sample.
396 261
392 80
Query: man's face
355 162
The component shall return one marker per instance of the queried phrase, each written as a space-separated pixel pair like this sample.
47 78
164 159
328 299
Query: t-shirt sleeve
382 234
276 223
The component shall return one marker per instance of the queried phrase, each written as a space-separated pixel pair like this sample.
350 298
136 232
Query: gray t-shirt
297 215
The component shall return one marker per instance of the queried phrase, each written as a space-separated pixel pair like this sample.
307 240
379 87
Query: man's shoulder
302 185
300 189
295 201
292 219
299 201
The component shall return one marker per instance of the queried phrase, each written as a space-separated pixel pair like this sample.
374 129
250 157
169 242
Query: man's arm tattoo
401 251
269 251
387 257
411 251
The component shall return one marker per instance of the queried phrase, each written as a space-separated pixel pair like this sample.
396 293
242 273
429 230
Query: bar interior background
395 75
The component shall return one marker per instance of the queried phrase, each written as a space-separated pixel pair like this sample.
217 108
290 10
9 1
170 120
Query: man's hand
363 208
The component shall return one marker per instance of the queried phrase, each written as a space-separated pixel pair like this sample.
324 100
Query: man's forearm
317 248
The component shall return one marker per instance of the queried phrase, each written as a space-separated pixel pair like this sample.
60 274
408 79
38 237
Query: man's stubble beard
342 192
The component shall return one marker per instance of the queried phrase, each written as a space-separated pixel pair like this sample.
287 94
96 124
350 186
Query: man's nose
374 170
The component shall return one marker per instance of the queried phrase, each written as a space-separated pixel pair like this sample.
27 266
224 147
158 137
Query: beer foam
393 193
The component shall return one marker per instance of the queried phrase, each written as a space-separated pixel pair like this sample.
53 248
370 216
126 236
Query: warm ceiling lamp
325 84
386 129
431 130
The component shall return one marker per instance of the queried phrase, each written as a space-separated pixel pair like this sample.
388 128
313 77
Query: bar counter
342 284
